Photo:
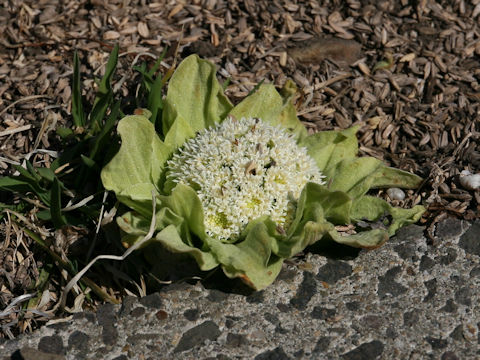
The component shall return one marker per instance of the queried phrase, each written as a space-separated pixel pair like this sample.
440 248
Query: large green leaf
372 209
390 177
318 209
252 259
328 148
366 240
138 166
185 203
267 104
179 132
135 227
172 241
194 95
356 176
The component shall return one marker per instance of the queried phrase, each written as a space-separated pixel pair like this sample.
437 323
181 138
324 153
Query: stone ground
410 299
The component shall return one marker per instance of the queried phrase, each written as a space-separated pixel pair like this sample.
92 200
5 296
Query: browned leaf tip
334 49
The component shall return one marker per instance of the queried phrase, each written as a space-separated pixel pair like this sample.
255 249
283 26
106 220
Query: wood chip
334 49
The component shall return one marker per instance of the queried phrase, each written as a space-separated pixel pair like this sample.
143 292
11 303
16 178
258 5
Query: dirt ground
406 71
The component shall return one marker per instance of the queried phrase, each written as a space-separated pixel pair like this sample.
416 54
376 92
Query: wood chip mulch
407 72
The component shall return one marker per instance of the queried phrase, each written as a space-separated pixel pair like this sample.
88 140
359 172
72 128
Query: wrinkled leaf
328 148
354 176
267 104
179 132
391 177
185 203
137 168
170 239
367 239
250 260
195 95
372 208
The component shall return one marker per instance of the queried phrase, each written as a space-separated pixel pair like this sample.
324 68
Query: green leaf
355 176
335 204
103 139
179 132
366 240
155 101
372 209
56 205
32 171
46 173
77 106
185 203
267 104
328 148
87 161
64 132
156 66
172 241
137 168
195 95
133 225
135 228
154 90
252 259
317 210
358 175
104 94
391 177
24 185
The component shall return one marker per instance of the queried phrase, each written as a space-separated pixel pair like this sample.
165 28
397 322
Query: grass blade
77 106
155 66
104 138
104 95
56 205
23 185
254 90
67 266
155 101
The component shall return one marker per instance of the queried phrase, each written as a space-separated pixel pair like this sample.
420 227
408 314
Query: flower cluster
241 170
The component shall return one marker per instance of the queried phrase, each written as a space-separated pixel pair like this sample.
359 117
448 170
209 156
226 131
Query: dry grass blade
134 247
24 99
15 130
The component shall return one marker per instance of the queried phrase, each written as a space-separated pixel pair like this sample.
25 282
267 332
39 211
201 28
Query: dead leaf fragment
408 57
143 29
334 49
111 35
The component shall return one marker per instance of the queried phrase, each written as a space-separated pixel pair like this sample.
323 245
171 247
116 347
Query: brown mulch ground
407 71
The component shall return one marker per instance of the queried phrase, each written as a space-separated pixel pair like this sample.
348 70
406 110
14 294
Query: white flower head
241 170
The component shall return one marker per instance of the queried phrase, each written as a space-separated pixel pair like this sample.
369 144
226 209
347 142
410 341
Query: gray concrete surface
409 299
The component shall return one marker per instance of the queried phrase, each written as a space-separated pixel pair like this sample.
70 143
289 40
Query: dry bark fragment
334 49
